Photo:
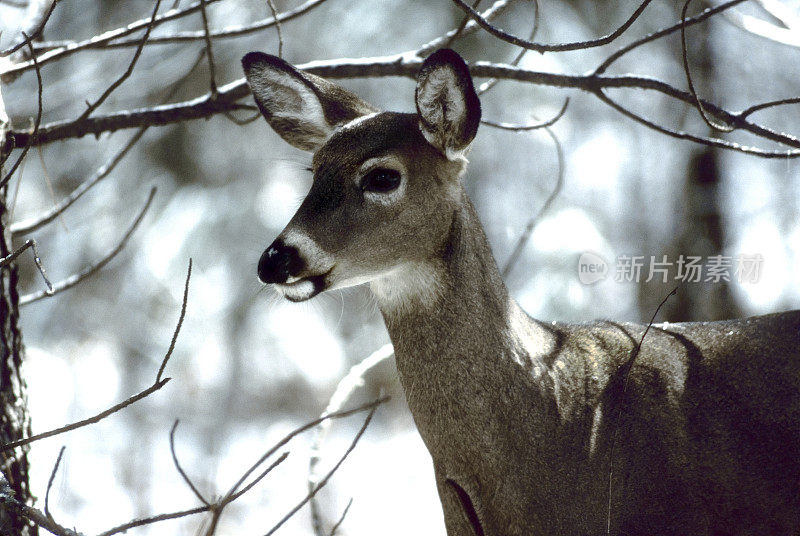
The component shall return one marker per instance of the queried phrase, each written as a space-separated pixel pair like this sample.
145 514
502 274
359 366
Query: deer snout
279 262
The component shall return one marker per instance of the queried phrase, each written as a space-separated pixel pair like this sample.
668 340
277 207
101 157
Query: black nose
279 262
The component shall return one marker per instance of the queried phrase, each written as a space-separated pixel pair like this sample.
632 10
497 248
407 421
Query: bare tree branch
686 69
112 39
274 12
497 9
37 517
209 50
406 65
35 223
239 489
353 380
57 51
118 82
180 470
684 23
73 280
5 261
534 126
527 231
36 124
33 25
50 482
541 47
327 477
341 518
159 383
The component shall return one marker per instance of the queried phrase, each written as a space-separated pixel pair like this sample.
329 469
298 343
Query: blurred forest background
249 368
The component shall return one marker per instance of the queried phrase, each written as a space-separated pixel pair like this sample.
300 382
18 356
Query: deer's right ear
302 108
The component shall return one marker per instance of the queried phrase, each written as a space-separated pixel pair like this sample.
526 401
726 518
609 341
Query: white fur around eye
383 198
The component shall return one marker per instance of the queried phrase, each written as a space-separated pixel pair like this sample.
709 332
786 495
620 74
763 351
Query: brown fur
534 428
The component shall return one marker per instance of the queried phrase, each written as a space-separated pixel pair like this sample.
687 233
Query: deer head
385 186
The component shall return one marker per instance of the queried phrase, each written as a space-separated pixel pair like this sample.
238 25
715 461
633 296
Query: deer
533 427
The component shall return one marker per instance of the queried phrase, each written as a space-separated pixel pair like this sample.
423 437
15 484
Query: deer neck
454 313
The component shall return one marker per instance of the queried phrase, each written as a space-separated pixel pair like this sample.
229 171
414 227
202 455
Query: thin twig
177 465
353 380
327 477
209 50
460 27
496 9
710 12
180 318
489 84
218 508
522 241
73 280
50 482
125 527
274 12
54 51
36 124
37 517
686 69
626 370
31 243
113 38
37 31
235 492
86 422
341 518
542 47
533 126
131 66
110 411
33 224
771 104
681 135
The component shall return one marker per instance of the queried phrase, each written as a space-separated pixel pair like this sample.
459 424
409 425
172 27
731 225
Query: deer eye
380 180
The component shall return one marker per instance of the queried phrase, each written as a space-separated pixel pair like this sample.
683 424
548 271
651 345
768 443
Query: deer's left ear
448 107
302 108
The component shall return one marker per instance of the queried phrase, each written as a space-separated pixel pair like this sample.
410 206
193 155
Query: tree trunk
14 418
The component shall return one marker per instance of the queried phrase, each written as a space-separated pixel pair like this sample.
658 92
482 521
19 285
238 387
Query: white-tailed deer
525 420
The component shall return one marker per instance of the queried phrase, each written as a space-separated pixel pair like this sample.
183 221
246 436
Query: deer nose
279 262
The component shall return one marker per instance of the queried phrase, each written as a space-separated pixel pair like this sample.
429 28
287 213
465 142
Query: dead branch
57 51
541 47
5 261
327 477
687 70
533 126
353 380
118 82
113 38
527 231
36 124
209 50
39 14
35 223
74 279
684 23
239 488
158 384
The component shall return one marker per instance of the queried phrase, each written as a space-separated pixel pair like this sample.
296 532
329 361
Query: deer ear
448 107
302 108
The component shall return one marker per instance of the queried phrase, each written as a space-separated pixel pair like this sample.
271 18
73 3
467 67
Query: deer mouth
302 289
